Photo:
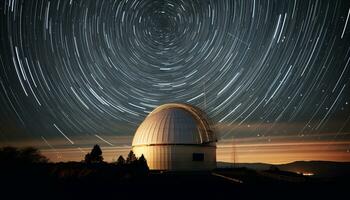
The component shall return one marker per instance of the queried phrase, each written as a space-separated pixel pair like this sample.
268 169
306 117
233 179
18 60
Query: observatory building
176 137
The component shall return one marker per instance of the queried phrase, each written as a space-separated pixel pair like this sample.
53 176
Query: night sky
75 73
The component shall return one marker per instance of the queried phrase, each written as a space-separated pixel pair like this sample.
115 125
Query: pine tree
142 162
95 156
121 160
131 158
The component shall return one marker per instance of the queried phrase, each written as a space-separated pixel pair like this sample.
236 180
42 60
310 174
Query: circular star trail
80 68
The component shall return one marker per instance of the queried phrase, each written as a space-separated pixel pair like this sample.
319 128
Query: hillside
317 168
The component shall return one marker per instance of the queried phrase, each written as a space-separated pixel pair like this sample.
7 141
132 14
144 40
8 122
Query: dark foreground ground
82 181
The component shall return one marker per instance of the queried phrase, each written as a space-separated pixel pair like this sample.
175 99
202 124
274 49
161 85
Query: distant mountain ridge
318 168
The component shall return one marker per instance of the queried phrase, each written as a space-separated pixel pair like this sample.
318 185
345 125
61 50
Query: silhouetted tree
142 162
9 154
32 155
121 160
87 158
95 156
24 155
131 158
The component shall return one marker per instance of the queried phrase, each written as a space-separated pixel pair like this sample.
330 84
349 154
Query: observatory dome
174 124
176 137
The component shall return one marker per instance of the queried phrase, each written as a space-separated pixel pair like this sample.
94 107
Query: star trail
264 69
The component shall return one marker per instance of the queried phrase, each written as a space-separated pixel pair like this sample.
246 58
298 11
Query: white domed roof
174 124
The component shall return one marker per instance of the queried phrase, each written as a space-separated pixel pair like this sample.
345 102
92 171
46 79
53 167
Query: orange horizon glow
279 152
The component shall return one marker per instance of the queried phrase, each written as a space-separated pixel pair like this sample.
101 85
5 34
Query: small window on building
198 156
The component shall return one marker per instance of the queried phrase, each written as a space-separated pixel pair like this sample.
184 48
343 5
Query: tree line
28 155
95 156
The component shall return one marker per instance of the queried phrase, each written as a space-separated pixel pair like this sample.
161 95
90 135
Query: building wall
177 157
